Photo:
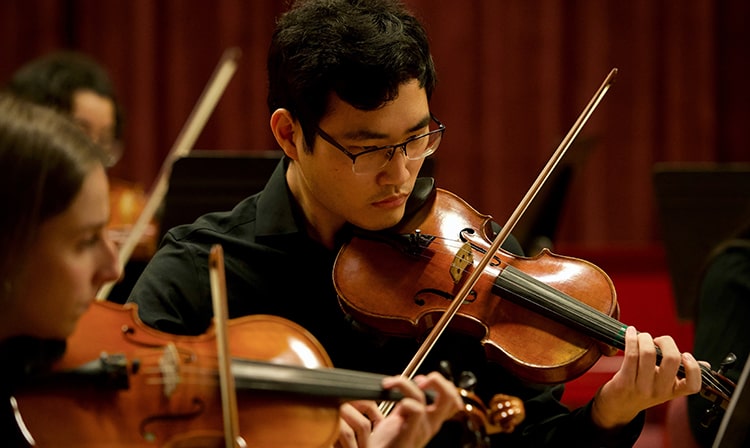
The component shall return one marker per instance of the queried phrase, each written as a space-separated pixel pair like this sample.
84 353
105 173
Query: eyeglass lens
415 149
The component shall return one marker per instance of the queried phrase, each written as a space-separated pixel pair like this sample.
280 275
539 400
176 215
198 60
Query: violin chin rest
424 188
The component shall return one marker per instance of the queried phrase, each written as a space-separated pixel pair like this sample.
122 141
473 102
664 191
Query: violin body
417 280
547 319
163 389
123 384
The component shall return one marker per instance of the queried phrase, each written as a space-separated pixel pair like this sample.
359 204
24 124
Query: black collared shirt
273 267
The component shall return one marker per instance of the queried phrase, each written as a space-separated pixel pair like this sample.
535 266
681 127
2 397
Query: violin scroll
716 393
503 415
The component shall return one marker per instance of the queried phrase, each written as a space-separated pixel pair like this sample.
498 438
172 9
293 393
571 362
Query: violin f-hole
198 408
421 301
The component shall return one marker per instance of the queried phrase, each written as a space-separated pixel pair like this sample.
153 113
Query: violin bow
477 270
230 414
185 140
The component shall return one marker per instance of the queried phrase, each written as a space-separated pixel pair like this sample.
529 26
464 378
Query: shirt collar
276 214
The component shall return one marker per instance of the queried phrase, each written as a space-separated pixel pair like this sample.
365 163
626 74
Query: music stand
212 181
733 431
699 206
538 226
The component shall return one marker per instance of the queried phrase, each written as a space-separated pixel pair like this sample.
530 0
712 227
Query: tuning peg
713 412
709 416
445 369
727 363
467 381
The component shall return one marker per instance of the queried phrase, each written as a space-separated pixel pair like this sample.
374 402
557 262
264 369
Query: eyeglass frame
441 129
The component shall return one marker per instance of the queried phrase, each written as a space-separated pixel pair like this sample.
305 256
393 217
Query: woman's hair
361 50
52 80
45 158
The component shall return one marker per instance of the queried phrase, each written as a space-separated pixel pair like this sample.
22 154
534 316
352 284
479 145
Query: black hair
360 50
53 79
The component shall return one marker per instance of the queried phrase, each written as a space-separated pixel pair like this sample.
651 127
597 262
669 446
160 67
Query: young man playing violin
349 89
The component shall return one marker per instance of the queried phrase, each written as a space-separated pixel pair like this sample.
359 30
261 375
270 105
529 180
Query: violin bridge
169 368
463 258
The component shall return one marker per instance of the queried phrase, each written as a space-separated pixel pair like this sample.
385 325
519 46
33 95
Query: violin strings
333 374
605 328
575 313
608 327
583 312
251 370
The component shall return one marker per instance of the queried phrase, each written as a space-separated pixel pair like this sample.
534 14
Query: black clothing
721 326
273 267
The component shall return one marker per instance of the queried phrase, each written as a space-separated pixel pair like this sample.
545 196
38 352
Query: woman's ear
287 131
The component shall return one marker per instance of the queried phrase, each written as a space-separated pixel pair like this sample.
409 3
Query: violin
428 256
121 383
546 319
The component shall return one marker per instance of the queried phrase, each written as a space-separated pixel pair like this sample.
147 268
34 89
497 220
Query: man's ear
287 132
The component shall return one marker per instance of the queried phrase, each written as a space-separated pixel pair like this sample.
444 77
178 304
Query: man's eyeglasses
372 159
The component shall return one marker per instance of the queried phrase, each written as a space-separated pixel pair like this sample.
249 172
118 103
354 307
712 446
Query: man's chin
384 220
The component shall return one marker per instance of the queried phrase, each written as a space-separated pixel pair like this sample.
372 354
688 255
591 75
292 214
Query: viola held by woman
121 383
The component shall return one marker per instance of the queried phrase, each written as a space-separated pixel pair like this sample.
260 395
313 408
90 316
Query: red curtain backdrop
513 77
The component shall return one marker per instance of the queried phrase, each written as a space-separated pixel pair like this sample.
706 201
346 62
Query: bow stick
230 414
472 279
182 146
